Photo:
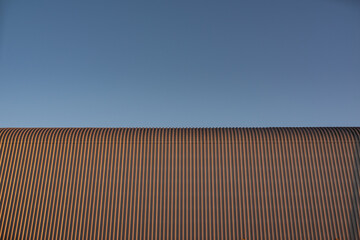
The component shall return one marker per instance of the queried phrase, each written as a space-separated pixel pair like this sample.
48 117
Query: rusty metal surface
195 183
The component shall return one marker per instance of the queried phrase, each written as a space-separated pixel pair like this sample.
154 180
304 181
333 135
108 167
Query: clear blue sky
255 63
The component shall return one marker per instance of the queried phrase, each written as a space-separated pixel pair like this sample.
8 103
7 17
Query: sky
251 63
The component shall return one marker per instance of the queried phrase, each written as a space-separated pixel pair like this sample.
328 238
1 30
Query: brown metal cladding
167 183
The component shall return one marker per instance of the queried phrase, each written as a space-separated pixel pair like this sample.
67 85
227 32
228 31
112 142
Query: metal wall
231 183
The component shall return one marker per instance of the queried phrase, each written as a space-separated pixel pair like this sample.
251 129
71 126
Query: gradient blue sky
182 63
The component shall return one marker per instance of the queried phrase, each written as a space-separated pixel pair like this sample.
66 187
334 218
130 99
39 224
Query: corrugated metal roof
208 183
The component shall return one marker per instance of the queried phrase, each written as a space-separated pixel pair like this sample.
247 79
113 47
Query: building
187 183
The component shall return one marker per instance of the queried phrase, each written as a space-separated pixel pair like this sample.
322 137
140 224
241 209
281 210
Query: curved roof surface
232 183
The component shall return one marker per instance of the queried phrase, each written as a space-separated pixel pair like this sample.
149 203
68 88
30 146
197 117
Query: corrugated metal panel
231 183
